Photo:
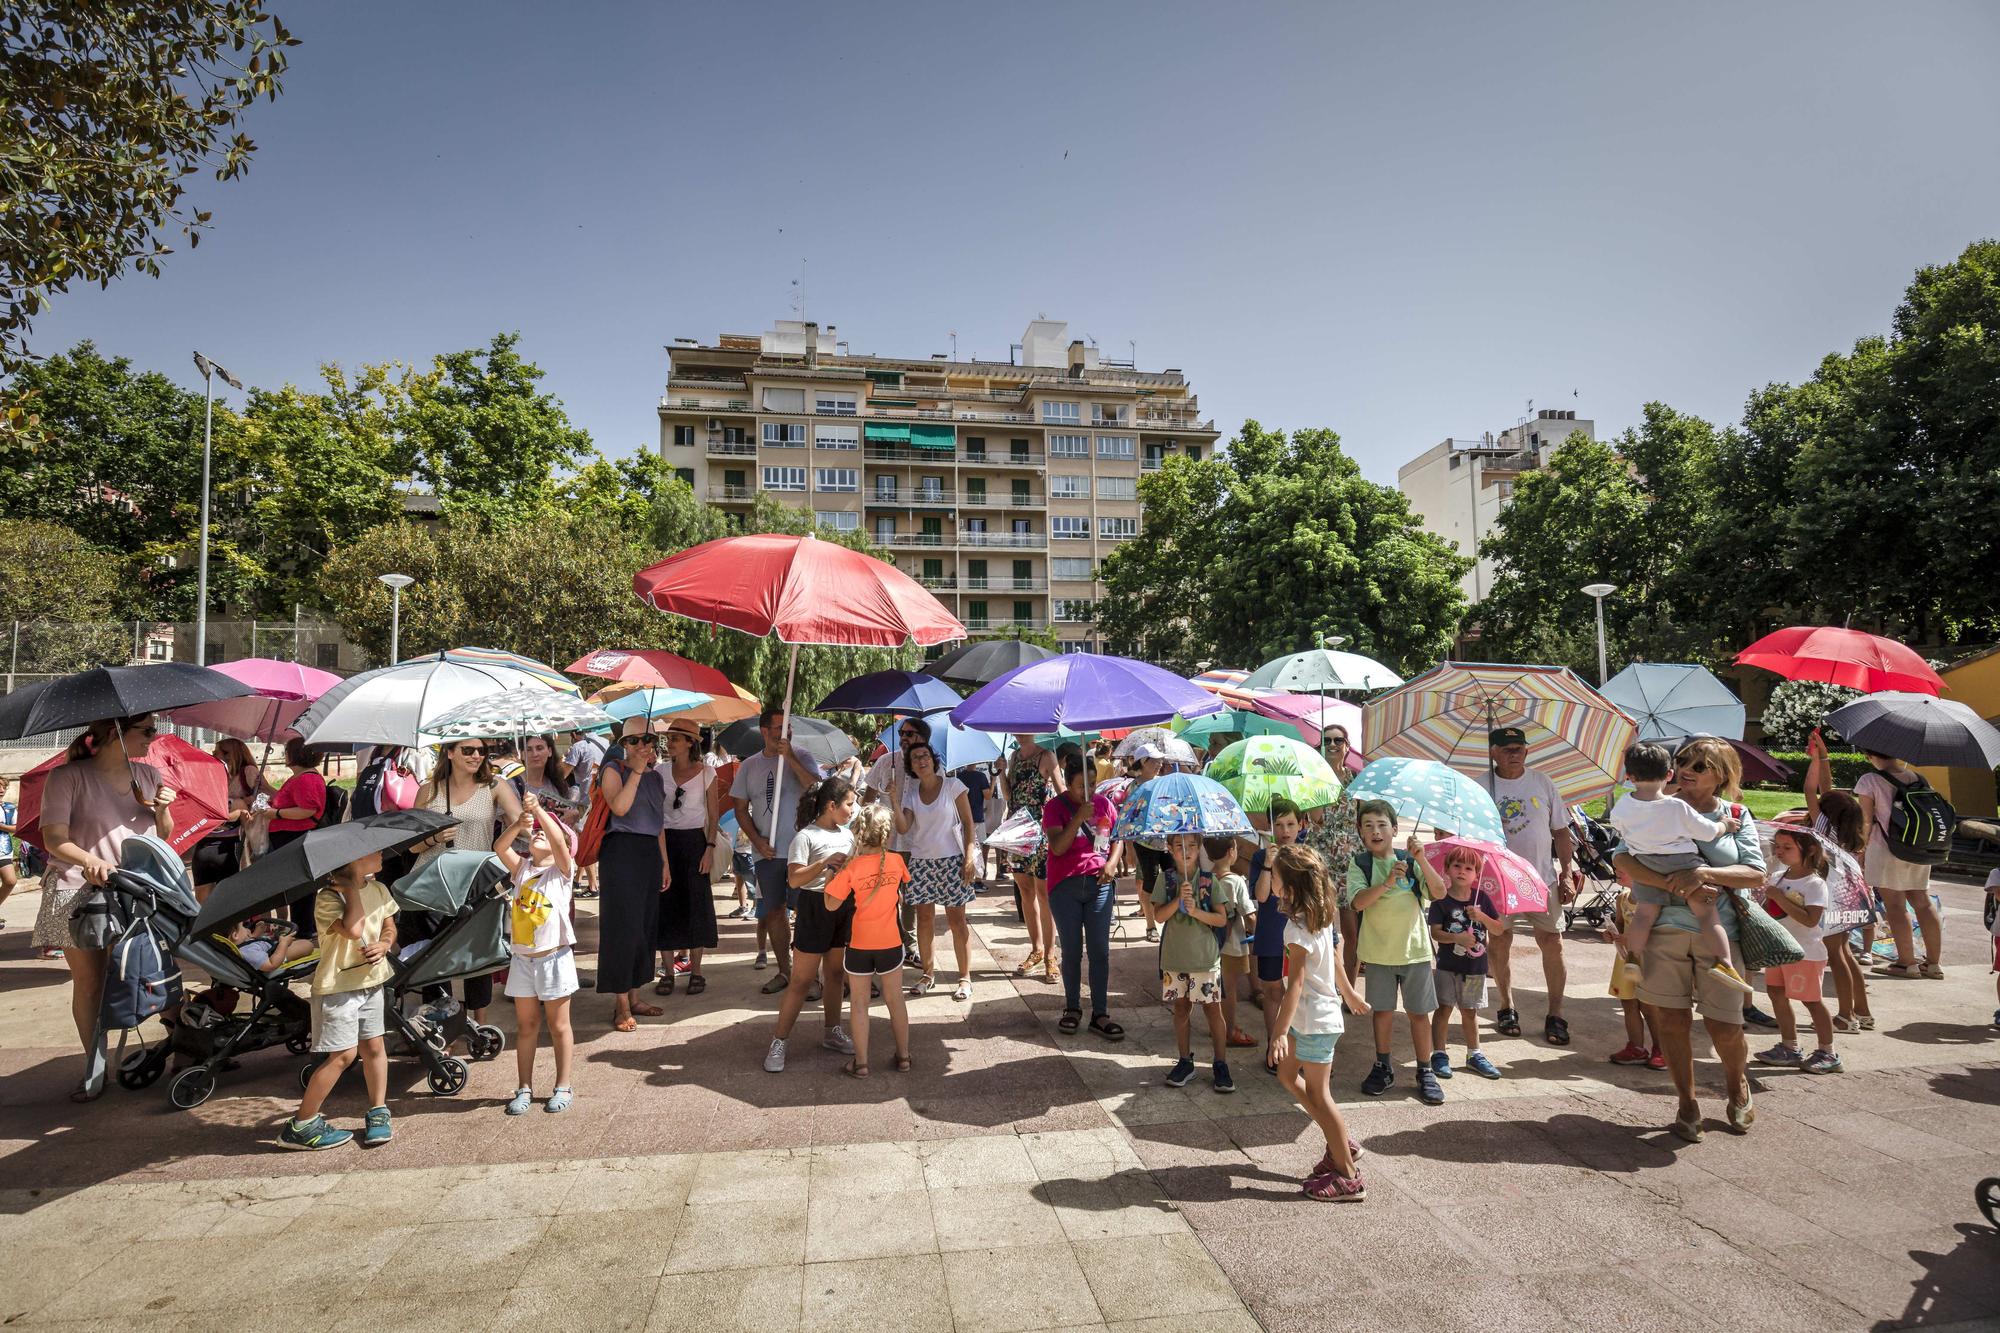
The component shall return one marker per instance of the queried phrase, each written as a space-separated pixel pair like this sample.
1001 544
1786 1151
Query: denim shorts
1313 1048
774 891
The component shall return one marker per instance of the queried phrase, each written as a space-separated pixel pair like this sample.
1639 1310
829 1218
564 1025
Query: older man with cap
1536 822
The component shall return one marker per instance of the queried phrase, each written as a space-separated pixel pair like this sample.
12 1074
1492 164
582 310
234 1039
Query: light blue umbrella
1428 792
1180 803
955 747
1670 700
652 702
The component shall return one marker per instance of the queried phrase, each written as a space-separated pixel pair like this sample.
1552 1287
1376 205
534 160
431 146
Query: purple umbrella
1084 692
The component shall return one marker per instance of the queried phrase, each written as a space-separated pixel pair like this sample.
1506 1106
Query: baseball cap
1500 736
1148 751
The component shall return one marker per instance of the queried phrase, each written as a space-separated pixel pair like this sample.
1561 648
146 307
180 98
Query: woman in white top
464 784
1905 886
935 819
693 805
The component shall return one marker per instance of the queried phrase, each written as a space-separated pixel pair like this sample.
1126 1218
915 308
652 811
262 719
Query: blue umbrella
1180 803
899 692
955 747
1670 700
1431 793
1085 692
655 703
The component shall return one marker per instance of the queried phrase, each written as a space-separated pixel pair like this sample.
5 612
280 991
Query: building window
1069 487
785 400
838 479
784 435
328 655
1069 446
1073 609
784 478
159 650
1116 446
684 437
836 437
1061 414
1101 415
685 474
885 379
834 404
975 446
1194 453
1074 645
1072 567
1072 527
1117 488
1455 461
1117 529
840 520
885 528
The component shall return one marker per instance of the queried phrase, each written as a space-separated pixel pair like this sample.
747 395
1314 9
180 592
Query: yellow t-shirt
1396 931
341 966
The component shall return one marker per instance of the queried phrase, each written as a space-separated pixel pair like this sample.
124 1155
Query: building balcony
1003 499
1004 583
944 583
915 499
1004 458
685 402
928 540
1021 541
731 494
1152 464
1000 624
718 448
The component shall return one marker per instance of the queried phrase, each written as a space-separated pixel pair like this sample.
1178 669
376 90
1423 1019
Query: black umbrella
985 660
105 692
822 742
297 868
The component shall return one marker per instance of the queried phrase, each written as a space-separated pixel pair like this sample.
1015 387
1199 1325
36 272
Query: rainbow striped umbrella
1575 735
500 657
1219 679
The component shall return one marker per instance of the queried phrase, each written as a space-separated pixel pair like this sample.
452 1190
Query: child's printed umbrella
1431 793
1504 877
1180 803
1261 769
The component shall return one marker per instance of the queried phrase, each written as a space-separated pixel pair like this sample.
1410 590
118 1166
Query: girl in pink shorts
1797 894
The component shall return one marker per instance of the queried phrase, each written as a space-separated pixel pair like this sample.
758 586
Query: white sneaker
836 1040
774 1059
763 960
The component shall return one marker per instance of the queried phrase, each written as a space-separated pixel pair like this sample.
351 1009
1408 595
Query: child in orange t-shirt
874 877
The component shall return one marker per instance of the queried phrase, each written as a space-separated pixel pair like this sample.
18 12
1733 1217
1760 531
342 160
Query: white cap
1148 750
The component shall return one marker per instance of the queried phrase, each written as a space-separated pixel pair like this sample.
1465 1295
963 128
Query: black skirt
628 911
687 909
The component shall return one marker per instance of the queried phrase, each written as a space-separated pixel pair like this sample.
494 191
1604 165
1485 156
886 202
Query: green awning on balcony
886 432
933 437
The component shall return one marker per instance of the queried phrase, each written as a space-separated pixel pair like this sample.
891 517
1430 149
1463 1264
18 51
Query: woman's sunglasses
472 750
643 738
1332 741
1692 765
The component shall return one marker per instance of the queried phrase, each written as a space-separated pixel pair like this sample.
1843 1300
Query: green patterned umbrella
1259 769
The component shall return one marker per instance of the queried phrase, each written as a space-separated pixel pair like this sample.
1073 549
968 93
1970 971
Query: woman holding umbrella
465 786
1031 780
92 803
687 912
220 854
631 873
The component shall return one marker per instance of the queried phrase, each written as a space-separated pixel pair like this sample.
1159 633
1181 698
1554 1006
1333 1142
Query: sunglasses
148 731
1692 765
1336 740
679 792
470 750
643 738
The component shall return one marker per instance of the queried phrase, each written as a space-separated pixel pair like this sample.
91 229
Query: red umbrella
653 667
199 779
1849 657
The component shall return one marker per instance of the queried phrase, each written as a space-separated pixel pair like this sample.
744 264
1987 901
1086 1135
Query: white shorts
548 976
345 1019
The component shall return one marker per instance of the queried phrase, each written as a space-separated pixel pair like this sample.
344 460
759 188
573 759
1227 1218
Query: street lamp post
1597 592
209 370
396 584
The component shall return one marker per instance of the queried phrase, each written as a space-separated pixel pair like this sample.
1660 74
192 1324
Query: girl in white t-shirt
1308 1022
539 853
1798 891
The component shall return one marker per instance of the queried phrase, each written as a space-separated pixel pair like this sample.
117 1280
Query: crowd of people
1321 916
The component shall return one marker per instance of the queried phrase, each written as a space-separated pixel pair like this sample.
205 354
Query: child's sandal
902 1064
853 1070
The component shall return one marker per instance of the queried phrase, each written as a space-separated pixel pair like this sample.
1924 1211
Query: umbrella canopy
1326 669
1313 713
1758 763
1085 691
500 657
529 710
955 747
280 692
395 705
1179 803
822 742
1220 678
1431 793
1575 735
445 882
1670 700
1504 876
986 660
708 709
1865 662
652 666
1260 769
1919 728
106 692
297 868
898 692
1232 722
200 783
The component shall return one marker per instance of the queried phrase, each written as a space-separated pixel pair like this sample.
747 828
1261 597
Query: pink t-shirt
1085 855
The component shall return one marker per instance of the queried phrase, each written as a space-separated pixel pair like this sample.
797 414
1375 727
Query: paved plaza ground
1015 1180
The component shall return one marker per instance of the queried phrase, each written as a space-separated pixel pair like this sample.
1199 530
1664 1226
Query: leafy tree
57 594
110 108
1156 586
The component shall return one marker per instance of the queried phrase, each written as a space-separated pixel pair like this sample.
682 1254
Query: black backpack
1920 821
336 807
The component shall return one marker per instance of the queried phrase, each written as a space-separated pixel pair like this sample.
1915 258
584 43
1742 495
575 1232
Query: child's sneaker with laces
774 1059
1181 1074
1629 1054
1336 1189
1781 1055
375 1129
1223 1081
1480 1065
837 1040
1823 1062
313 1135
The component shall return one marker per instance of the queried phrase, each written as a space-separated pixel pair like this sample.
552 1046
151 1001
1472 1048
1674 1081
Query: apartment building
999 485
1459 486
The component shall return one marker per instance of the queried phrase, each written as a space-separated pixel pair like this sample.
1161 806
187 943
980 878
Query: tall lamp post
396 584
209 370
1597 592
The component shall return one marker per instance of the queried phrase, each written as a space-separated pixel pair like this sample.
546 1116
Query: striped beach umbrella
1575 735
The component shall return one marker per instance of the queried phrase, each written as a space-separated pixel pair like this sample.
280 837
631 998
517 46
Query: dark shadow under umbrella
290 872
109 692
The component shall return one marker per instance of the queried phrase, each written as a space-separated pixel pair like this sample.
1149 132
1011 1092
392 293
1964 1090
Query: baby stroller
471 893
1595 846
145 907
208 1036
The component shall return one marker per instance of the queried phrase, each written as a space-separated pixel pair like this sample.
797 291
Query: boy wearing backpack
1393 890
1909 831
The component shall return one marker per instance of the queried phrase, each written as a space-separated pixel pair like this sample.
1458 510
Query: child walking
1310 1012
356 921
874 878
539 854
1191 958
1661 831
1798 890
1392 895
1459 921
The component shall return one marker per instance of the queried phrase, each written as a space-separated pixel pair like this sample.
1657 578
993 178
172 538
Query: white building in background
1458 487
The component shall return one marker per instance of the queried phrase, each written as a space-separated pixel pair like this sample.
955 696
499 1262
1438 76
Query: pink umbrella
283 691
1503 876
1312 714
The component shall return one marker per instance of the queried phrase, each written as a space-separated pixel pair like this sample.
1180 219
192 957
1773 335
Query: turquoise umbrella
1202 730
1431 793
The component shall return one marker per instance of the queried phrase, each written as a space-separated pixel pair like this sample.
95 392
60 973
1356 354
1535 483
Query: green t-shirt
1188 945
1396 930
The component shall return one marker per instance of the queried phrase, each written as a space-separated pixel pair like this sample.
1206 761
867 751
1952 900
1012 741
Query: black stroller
1595 846
141 914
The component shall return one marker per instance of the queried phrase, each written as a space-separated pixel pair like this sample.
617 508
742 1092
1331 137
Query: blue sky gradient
1401 222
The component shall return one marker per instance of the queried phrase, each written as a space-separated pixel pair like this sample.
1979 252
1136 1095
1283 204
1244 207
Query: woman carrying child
539 852
1309 1016
873 880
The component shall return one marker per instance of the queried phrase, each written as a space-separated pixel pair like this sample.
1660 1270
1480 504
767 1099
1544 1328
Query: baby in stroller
268 944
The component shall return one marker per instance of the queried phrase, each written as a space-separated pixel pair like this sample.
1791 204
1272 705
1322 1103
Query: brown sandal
648 1010
625 1024
902 1064
853 1070
665 985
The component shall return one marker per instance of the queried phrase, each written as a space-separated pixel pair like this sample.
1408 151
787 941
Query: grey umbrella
1919 729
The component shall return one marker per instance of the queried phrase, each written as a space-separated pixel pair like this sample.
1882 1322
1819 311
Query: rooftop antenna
799 292
954 345
1135 352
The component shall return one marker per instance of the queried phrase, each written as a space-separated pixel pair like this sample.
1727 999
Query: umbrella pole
778 786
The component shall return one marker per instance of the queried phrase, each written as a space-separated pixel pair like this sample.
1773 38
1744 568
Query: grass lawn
1764 804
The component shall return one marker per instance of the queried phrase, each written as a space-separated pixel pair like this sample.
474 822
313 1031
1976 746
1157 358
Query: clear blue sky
1398 221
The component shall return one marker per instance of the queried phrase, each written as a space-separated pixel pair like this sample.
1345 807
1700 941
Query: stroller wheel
142 1069
306 1071
191 1087
299 1044
450 1077
485 1042
1988 1195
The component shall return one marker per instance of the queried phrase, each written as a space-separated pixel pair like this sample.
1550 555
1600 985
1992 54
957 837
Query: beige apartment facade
999 485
